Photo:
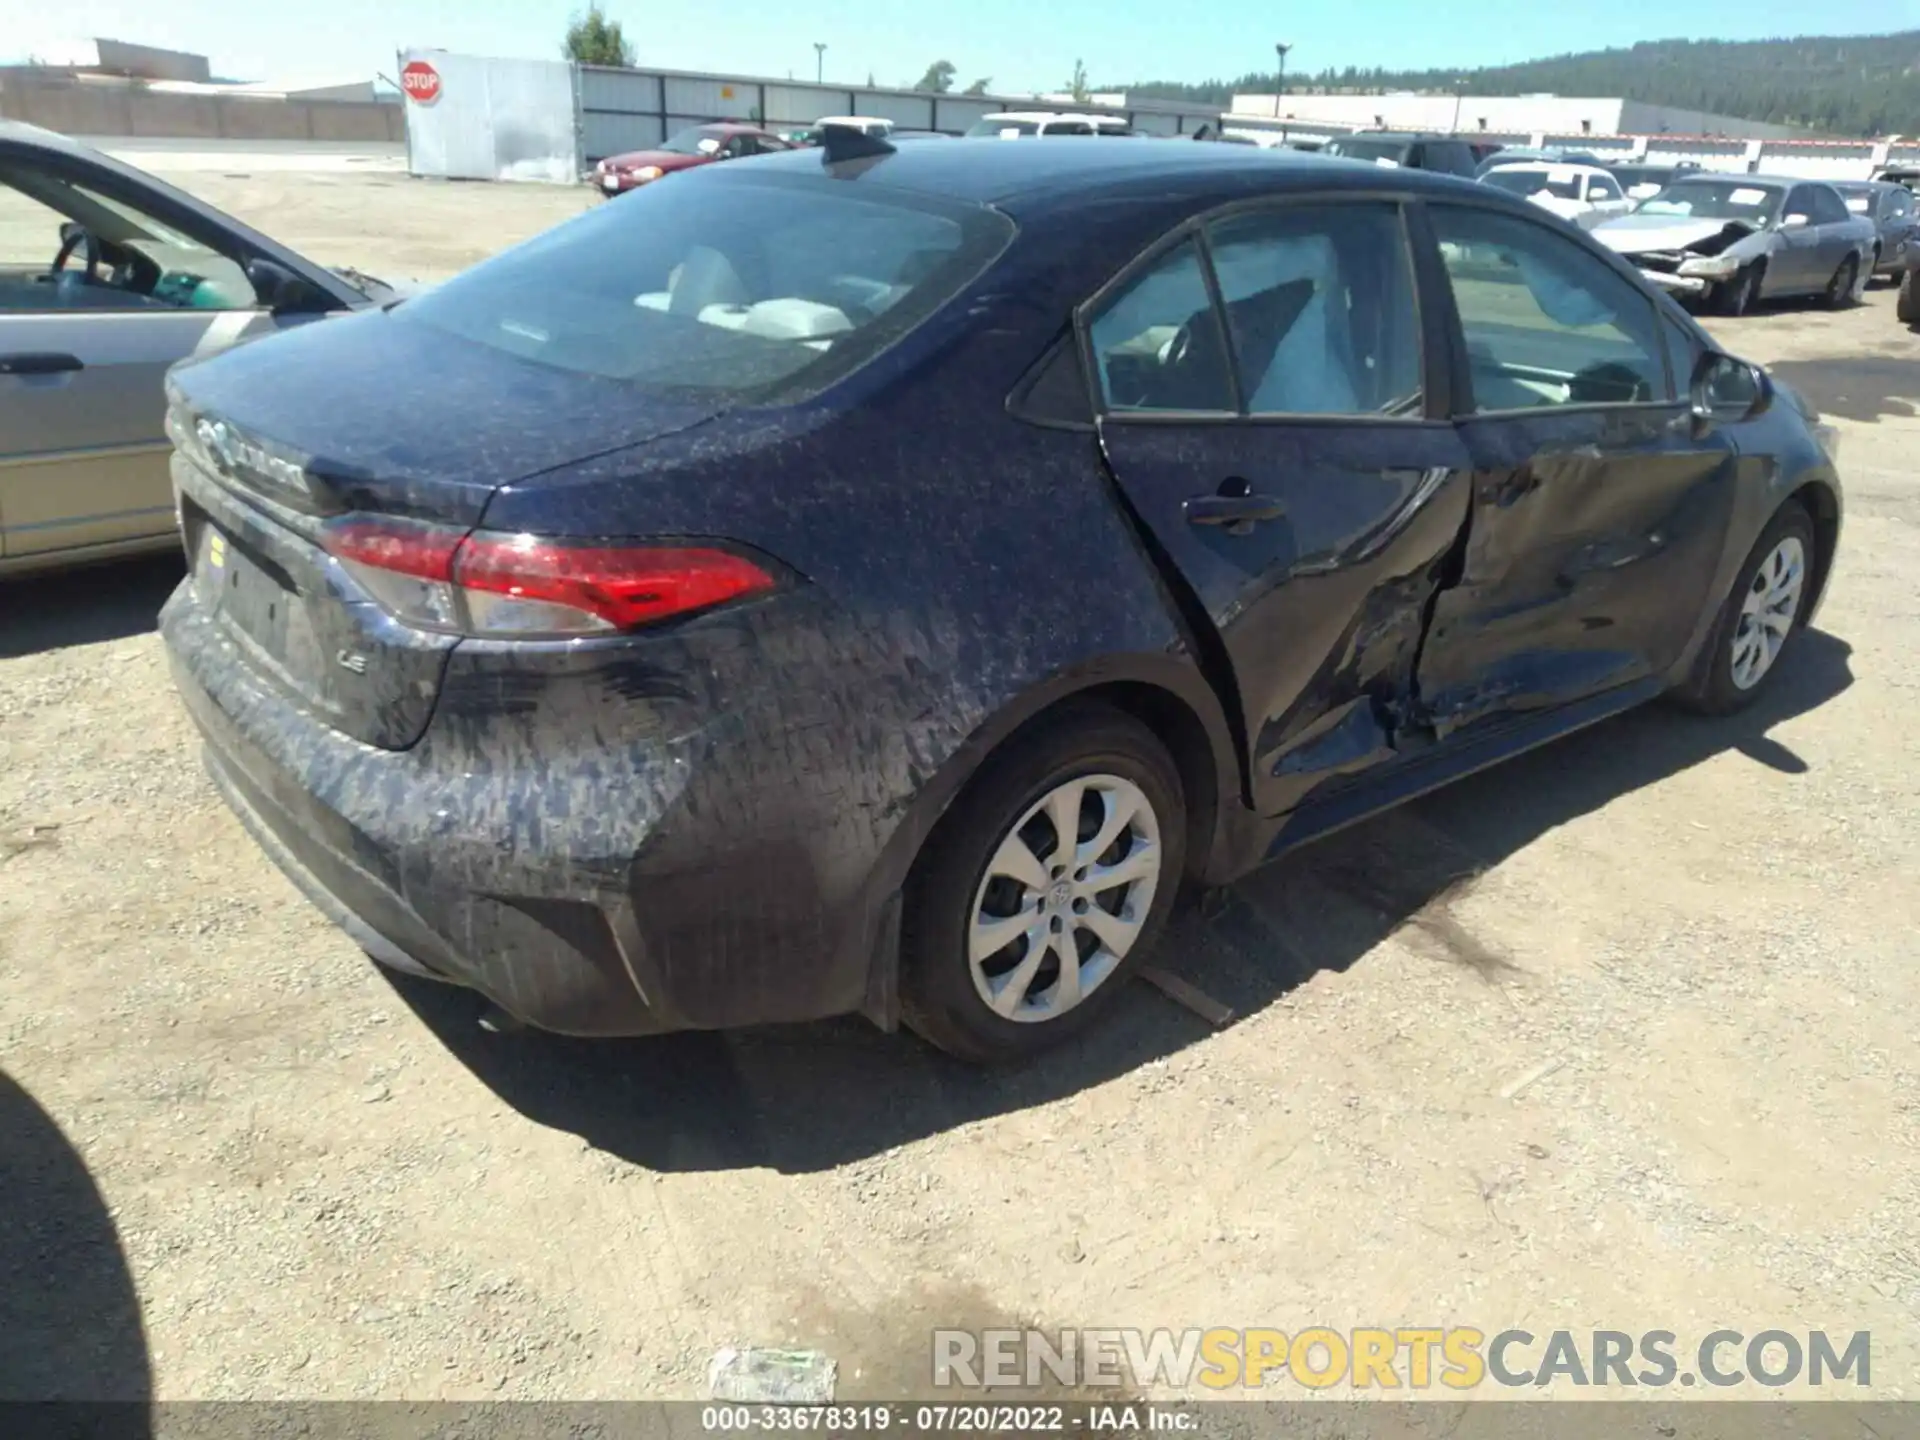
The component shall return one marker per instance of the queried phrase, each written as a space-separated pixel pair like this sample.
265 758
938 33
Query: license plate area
254 597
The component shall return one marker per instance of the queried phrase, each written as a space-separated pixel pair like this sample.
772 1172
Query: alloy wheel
1065 896
1768 610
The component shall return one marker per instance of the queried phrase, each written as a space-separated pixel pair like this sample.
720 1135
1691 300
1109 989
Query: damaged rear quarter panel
756 782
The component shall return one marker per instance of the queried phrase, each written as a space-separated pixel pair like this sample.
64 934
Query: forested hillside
1839 85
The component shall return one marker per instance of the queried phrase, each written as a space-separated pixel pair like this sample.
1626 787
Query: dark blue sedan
869 581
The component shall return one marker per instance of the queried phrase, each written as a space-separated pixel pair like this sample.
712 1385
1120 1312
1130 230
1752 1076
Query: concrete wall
88 108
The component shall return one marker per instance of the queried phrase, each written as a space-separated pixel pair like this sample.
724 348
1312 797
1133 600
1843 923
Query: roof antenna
842 143
1205 132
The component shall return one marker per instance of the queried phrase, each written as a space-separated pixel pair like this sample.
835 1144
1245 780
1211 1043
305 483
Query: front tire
1759 618
1738 295
1845 282
1906 306
1012 940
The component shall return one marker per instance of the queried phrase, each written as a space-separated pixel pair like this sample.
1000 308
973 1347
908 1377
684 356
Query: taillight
489 583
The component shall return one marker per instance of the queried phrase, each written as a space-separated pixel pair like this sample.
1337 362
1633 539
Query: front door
1266 414
84 349
1597 514
1604 201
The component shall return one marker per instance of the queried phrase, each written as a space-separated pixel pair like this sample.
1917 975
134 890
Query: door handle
38 362
1232 510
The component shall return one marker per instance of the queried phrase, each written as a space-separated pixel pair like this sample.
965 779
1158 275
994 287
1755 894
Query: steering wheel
77 238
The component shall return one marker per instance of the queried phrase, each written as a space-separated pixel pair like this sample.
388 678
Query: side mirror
1793 221
1726 391
277 289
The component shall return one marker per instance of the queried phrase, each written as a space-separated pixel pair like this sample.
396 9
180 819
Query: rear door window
1157 343
1320 310
736 286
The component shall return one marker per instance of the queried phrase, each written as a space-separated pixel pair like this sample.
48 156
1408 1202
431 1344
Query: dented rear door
1277 451
1598 515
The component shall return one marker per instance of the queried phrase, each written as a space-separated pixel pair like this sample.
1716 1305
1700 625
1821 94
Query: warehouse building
1503 115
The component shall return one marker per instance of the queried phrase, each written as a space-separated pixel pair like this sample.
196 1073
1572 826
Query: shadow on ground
85 606
69 1315
810 1097
1867 389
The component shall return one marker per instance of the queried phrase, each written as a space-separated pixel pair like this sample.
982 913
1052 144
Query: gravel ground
239 1161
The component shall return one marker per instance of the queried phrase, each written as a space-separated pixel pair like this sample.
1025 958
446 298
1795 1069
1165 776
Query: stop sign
421 82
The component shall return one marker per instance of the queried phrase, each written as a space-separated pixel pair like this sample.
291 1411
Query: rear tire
1758 620
1845 282
1105 773
1906 306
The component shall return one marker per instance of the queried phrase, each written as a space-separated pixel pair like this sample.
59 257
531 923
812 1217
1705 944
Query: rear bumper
438 866
554 961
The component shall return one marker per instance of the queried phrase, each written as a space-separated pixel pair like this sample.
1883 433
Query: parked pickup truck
1730 240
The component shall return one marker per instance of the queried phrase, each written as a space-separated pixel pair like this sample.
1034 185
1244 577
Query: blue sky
1023 45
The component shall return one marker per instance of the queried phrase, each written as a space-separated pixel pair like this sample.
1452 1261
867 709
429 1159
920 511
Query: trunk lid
363 416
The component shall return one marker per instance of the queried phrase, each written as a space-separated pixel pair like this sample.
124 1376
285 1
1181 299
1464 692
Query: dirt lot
284 1173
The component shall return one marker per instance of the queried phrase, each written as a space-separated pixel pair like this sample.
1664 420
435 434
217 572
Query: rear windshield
1394 150
735 287
991 127
1534 182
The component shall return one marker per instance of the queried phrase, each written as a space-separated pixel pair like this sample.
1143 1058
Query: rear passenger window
1157 345
1320 310
1546 323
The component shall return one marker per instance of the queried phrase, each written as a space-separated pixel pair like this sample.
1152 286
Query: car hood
665 159
383 401
1634 233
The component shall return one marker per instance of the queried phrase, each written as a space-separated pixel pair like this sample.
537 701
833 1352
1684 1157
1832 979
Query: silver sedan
1730 240
108 276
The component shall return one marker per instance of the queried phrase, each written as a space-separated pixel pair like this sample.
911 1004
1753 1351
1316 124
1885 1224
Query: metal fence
636 109
616 110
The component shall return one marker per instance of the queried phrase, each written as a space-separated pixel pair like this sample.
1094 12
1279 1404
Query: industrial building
112 88
1503 115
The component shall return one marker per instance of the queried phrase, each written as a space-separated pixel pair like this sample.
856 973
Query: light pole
819 61
1459 81
1280 82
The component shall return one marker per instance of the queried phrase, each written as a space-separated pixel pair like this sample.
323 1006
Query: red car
696 145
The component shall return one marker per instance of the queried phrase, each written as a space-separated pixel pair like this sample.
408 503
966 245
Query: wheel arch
1164 692
1822 503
